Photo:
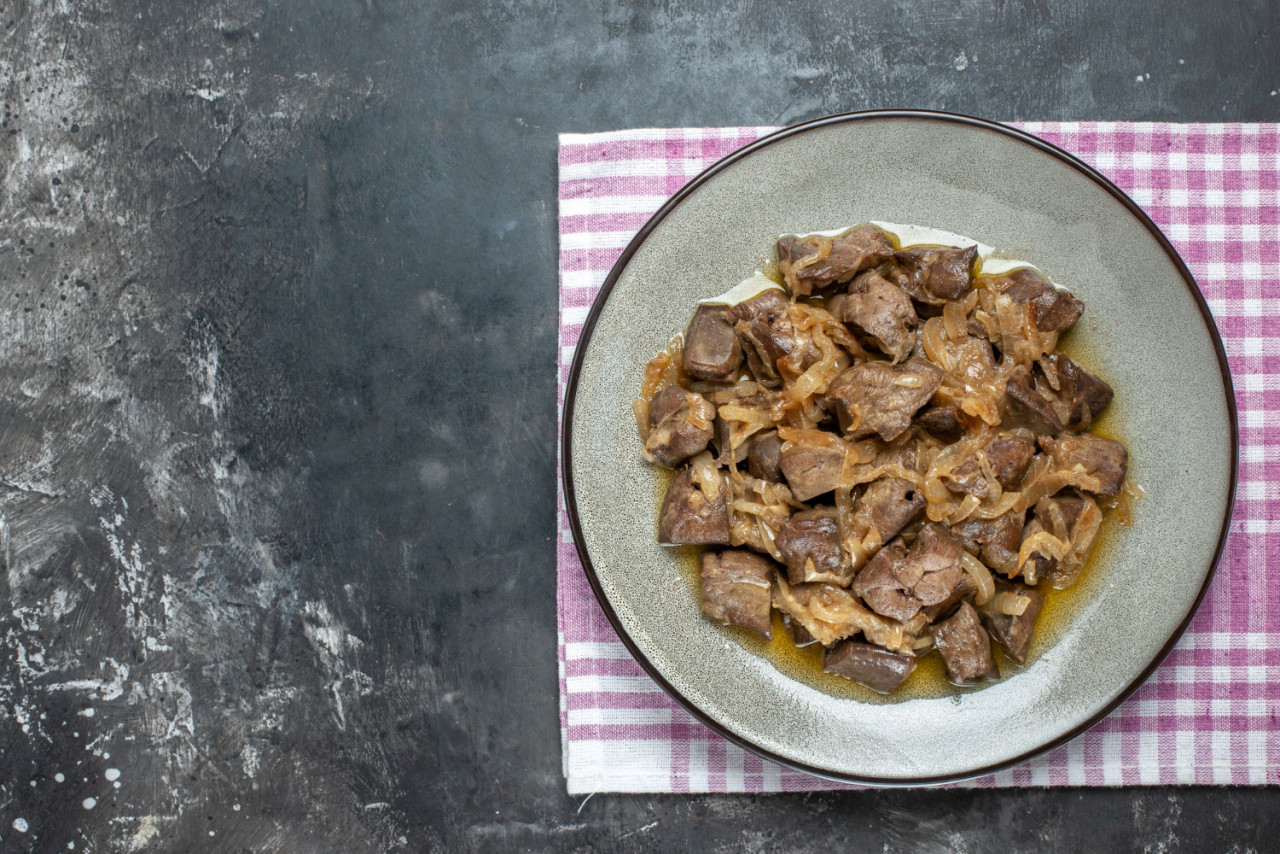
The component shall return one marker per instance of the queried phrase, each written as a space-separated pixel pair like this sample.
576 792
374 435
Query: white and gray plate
1146 329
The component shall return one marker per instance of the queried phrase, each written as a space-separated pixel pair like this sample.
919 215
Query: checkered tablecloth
1211 712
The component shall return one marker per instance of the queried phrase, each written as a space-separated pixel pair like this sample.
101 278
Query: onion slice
981 576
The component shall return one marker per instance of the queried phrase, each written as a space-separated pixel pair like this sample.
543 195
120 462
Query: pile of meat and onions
890 451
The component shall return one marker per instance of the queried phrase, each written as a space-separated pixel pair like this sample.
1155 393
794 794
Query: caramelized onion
640 408
663 369
706 475
981 576
954 322
966 508
1044 543
1011 604
822 250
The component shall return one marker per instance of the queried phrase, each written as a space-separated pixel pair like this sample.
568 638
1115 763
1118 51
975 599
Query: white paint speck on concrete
20 825
89 803
60 777
112 774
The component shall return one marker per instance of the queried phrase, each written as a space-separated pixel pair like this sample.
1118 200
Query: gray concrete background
277 402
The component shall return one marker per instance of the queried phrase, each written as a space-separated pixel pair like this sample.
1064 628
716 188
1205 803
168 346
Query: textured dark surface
277 402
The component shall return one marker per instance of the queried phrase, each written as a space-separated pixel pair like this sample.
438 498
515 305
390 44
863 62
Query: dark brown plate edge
611 280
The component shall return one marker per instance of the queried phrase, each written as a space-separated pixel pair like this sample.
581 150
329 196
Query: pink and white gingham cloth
1211 712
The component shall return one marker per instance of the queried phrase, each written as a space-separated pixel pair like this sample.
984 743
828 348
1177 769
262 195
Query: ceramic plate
1146 329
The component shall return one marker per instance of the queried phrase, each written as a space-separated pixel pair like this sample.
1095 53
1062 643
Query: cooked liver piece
942 422
763 454
766 333
810 544
690 518
811 470
965 647
1008 455
1105 459
889 505
879 398
1081 396
897 583
1055 310
1014 633
965 589
881 311
936 556
1025 407
860 249
880 586
680 425
737 589
933 274
996 540
878 669
711 348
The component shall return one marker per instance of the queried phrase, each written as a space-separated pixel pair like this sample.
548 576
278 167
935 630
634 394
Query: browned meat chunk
1014 633
878 669
941 421
1008 455
1055 310
898 583
879 398
1080 396
692 517
933 274
1096 456
711 348
964 590
857 250
811 469
1025 407
810 544
888 505
996 540
680 425
767 334
737 589
936 556
965 647
763 456
881 312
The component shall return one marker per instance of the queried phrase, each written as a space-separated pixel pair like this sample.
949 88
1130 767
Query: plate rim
597 306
